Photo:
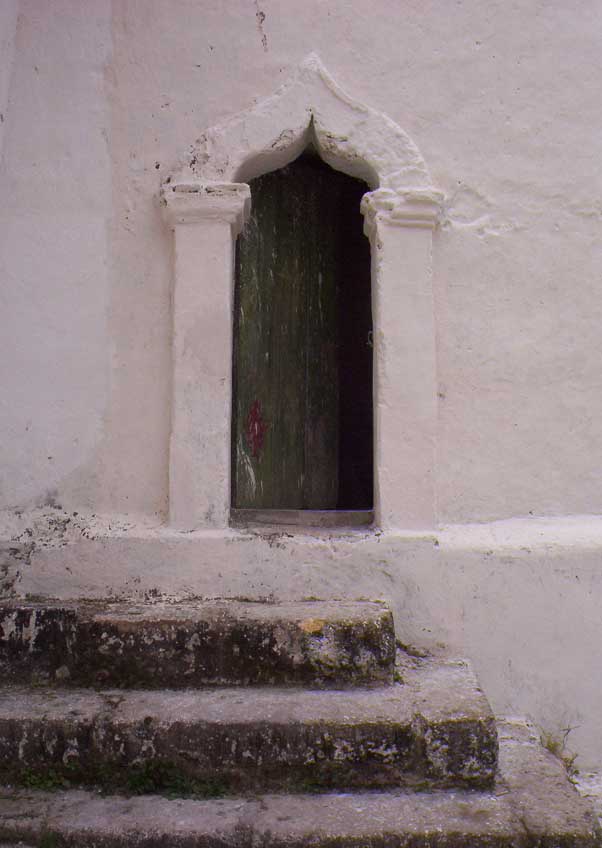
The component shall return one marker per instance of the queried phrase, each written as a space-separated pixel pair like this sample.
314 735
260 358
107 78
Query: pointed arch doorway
302 434
207 203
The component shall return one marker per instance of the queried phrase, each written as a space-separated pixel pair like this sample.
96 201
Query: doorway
302 434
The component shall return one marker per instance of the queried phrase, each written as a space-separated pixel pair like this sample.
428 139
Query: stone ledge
177 645
533 804
434 729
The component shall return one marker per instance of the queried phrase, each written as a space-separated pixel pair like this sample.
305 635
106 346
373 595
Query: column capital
193 202
419 207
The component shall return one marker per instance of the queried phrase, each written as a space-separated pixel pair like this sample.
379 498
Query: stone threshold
302 517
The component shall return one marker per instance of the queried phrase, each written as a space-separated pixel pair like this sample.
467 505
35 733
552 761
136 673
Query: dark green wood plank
322 398
286 445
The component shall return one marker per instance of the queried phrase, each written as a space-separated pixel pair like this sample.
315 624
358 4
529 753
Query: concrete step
532 804
182 645
436 728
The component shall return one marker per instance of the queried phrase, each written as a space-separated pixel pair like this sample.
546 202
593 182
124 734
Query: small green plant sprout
48 840
556 743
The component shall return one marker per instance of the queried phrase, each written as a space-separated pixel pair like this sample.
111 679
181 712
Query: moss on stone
154 777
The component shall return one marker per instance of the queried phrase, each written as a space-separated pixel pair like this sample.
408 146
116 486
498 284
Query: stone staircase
238 723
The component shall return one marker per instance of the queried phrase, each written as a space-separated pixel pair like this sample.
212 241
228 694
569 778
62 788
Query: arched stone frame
206 204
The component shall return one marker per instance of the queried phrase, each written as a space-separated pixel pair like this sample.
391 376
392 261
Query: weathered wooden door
292 270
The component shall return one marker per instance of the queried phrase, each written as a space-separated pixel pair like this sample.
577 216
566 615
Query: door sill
303 517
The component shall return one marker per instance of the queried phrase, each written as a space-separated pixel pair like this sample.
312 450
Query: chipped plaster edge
310 106
55 527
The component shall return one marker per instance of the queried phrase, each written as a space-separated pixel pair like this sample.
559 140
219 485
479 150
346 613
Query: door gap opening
302 428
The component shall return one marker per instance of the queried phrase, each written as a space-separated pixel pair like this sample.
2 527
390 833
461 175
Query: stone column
399 226
206 218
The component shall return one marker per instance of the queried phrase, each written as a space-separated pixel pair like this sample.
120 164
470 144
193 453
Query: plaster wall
8 30
502 101
55 353
101 100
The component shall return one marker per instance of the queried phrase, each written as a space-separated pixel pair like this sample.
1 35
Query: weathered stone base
435 728
181 645
533 804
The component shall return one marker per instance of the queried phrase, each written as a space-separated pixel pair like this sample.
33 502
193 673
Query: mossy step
435 728
532 804
182 645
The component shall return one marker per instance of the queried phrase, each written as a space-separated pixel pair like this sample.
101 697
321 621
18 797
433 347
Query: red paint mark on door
256 429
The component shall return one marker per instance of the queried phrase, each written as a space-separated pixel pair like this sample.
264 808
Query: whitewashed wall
101 100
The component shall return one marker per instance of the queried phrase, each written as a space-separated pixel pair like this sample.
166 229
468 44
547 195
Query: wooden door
288 336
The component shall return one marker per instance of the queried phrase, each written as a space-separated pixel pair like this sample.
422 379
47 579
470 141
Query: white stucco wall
8 31
502 103
55 352
101 100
